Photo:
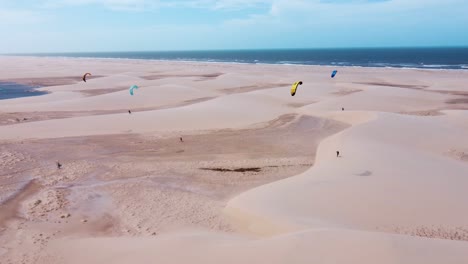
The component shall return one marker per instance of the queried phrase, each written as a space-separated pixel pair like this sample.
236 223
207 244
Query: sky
30 26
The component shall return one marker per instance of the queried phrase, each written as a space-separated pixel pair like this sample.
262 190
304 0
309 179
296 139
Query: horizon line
241 49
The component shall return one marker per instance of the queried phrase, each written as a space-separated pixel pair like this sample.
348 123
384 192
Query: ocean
416 58
419 58
10 90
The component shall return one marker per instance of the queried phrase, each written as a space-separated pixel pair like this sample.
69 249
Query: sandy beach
218 163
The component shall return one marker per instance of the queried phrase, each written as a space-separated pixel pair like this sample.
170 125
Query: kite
334 73
294 87
132 88
84 76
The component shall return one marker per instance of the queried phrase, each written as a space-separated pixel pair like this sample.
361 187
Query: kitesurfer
84 76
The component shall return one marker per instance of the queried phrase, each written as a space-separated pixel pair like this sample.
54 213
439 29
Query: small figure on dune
342 108
59 166
181 140
129 111
337 153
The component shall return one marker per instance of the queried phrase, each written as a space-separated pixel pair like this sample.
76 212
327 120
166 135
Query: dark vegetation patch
251 169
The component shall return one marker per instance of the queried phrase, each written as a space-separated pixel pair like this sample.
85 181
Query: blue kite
334 73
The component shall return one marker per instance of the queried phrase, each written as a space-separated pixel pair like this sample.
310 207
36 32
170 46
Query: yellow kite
294 87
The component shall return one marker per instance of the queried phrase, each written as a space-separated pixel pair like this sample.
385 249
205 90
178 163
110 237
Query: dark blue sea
424 58
13 90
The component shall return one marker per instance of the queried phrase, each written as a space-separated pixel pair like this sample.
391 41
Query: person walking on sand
181 140
59 166
342 108
129 111
337 153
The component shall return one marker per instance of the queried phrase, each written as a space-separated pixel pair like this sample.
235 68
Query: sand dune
305 247
363 190
218 113
218 163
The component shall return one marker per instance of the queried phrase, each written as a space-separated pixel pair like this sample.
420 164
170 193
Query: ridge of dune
361 190
218 113
251 221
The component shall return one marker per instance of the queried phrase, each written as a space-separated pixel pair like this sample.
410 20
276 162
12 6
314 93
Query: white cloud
239 4
111 4
321 11
18 16
276 6
267 23
154 4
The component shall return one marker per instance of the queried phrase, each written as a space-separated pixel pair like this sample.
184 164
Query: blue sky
142 25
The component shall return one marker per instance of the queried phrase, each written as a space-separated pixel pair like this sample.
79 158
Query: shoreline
463 68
